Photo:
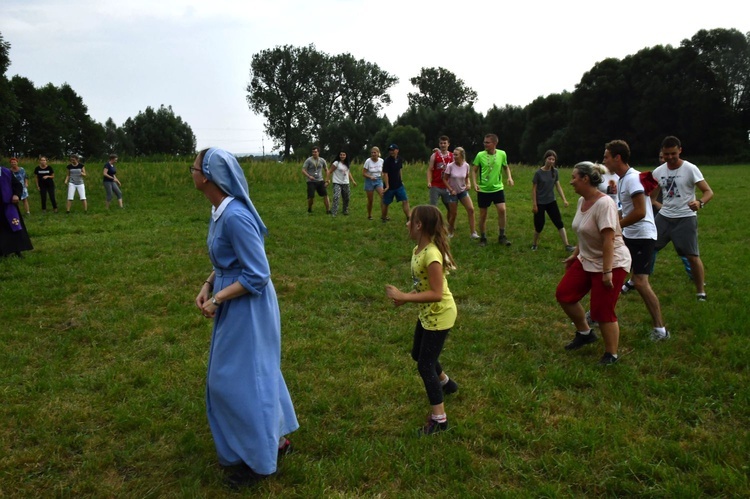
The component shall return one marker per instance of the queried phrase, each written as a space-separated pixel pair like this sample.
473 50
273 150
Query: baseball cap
392 147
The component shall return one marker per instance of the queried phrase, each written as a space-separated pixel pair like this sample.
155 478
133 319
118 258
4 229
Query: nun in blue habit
249 408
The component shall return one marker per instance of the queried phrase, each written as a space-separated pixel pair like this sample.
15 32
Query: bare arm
430 169
639 211
562 193
432 295
474 169
510 176
608 256
232 291
708 194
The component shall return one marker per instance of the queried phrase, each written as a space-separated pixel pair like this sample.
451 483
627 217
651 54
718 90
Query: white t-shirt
374 168
457 176
677 188
588 227
341 173
628 186
609 186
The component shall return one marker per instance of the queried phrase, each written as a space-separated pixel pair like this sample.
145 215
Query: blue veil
221 168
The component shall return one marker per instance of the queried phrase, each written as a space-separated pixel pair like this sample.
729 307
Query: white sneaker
474 235
628 286
657 336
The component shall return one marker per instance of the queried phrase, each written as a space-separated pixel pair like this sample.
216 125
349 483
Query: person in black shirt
393 186
45 183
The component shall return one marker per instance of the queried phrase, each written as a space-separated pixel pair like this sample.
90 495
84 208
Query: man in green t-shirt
489 186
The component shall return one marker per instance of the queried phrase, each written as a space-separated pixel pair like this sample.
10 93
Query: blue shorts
399 194
458 197
371 185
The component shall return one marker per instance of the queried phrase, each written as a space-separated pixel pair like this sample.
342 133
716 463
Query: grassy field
102 372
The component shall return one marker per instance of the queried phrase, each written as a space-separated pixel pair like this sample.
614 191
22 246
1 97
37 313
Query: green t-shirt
435 316
491 170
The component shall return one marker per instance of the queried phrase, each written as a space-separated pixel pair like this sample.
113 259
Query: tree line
699 91
54 121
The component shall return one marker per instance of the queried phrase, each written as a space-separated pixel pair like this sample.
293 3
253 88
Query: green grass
104 356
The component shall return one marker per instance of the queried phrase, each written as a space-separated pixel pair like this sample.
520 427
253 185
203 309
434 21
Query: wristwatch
702 204
213 300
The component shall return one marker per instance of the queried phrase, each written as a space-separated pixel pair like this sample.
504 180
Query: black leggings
554 214
426 350
43 191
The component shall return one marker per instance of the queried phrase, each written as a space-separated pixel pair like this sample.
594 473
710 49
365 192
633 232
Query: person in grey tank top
74 180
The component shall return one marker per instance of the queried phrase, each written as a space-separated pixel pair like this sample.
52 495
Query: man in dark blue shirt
393 186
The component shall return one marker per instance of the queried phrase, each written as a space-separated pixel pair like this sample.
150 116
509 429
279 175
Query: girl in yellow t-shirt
430 262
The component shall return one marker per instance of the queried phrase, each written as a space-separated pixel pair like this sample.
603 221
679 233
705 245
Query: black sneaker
701 297
450 387
432 427
483 241
243 477
503 241
607 359
581 340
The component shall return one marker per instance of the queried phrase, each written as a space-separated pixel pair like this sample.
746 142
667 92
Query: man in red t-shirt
441 158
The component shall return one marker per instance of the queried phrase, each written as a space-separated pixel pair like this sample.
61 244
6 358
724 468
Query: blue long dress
248 404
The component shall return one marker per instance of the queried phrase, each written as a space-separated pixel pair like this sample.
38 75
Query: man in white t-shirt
638 228
677 220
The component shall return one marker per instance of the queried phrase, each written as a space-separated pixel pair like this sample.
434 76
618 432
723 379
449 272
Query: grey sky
122 56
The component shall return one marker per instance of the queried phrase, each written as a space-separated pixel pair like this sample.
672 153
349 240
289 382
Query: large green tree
545 117
158 132
309 96
727 54
440 88
8 102
52 121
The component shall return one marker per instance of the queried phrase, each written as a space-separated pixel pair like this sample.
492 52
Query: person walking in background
489 165
598 264
20 174
678 213
248 403
638 228
439 160
545 181
45 183
341 174
111 182
313 169
431 260
74 180
609 183
456 177
13 236
393 185
373 173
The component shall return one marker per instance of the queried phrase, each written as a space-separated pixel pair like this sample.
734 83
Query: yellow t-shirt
434 316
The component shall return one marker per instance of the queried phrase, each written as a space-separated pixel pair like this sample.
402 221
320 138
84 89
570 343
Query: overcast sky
122 56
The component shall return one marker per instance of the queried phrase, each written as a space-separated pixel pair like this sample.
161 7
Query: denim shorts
371 185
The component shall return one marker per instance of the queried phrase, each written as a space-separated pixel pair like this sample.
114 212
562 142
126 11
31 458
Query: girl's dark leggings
425 351
43 191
